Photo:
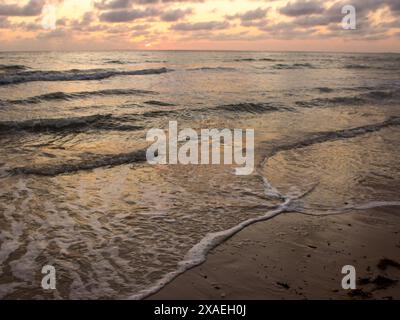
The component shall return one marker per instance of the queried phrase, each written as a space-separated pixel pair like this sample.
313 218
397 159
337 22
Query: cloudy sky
198 24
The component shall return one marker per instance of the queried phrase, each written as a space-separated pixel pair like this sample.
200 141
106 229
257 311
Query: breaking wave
73 75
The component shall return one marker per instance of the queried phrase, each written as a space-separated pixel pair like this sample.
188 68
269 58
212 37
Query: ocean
77 193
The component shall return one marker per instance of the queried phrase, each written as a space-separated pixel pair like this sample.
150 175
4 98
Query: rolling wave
159 103
282 66
358 66
245 107
118 62
372 96
253 59
98 122
212 69
63 96
328 136
252 108
390 66
325 89
82 165
12 67
73 75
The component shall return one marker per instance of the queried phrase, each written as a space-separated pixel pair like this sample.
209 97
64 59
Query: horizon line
198 50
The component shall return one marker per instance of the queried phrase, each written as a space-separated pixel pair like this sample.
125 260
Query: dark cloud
256 14
114 4
32 8
210 25
301 8
121 4
175 15
128 15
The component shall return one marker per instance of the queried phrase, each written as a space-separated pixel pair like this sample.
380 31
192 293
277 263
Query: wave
358 66
98 122
294 66
252 108
253 59
74 75
118 62
123 62
158 113
63 96
159 103
12 67
83 165
358 89
372 96
378 95
322 137
325 89
376 67
212 69
156 61
320 102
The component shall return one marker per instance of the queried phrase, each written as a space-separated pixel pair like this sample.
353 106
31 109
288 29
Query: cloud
256 14
301 8
175 15
178 21
123 4
59 33
4 23
114 4
32 8
128 15
210 25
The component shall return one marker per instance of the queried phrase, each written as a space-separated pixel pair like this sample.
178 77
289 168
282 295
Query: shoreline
296 256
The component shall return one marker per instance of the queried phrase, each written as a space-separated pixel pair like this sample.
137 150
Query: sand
295 256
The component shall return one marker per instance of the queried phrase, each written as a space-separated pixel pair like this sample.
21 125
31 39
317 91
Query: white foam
197 255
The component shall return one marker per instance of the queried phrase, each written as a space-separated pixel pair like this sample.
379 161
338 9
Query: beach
300 257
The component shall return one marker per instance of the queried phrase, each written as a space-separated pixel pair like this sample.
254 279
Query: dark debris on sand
385 263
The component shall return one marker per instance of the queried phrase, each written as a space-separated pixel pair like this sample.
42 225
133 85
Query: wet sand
295 256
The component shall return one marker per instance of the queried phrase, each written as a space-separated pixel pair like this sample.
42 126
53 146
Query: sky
272 25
